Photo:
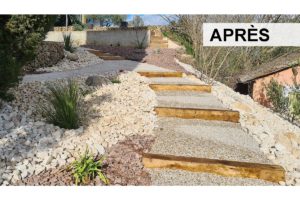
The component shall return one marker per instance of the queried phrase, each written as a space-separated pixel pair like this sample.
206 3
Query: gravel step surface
172 80
204 139
188 100
185 178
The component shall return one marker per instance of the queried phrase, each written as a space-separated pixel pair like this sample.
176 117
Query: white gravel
28 145
277 138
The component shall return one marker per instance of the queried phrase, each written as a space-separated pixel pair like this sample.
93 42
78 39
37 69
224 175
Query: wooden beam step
180 87
161 74
272 173
111 57
193 113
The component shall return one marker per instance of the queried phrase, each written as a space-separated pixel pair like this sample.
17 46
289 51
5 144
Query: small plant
139 44
68 43
87 168
62 108
115 80
275 93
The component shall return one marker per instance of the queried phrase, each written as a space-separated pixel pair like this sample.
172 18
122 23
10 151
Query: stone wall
277 138
110 37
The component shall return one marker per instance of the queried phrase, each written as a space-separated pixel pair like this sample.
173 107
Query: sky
150 19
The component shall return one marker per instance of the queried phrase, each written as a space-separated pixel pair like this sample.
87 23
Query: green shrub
276 96
87 168
79 27
68 43
115 80
294 104
62 108
20 35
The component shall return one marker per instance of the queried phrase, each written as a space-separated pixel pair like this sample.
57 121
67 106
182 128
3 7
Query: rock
24 174
280 147
57 135
72 56
42 155
242 106
100 149
97 81
9 125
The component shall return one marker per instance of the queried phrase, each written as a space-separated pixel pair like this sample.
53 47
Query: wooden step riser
272 173
158 40
205 114
161 74
111 58
158 46
165 87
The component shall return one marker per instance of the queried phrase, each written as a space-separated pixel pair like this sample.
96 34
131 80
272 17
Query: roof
276 65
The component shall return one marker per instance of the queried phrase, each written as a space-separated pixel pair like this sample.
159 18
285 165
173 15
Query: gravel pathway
199 138
107 67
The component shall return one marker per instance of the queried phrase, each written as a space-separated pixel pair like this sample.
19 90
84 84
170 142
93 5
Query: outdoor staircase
197 133
157 40
106 56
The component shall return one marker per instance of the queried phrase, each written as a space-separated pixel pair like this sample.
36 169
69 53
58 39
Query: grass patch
62 105
86 168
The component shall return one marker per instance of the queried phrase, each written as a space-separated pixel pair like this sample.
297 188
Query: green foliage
115 80
79 27
294 104
20 36
108 20
68 43
62 108
87 168
180 38
139 43
137 21
276 96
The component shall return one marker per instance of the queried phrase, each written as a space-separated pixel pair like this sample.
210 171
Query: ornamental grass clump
68 43
62 106
86 168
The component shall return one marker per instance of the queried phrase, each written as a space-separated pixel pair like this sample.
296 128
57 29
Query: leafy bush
79 27
62 108
68 43
294 104
275 94
20 35
87 168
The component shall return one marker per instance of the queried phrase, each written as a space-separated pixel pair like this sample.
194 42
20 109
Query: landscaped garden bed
34 151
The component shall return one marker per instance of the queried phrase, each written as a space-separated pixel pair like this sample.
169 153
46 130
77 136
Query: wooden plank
111 57
272 173
192 113
161 74
180 87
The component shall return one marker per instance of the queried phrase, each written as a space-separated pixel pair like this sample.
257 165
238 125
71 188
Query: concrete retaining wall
114 37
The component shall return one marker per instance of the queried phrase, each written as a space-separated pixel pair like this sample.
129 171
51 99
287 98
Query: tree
20 35
225 63
137 21
108 20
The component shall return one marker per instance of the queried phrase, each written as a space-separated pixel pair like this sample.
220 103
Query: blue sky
150 19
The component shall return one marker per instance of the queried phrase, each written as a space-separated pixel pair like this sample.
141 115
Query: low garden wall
128 37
